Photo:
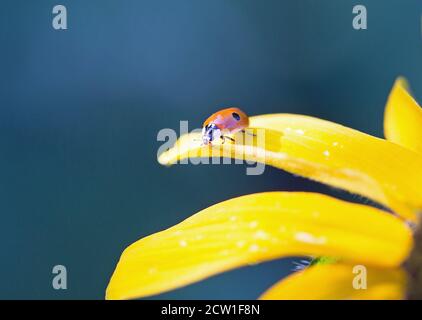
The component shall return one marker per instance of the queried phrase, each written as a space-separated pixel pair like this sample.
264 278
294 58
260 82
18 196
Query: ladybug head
210 133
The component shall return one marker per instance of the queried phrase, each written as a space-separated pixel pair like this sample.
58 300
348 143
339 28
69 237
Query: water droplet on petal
225 252
254 248
326 153
152 270
253 224
315 214
240 243
261 235
183 243
309 238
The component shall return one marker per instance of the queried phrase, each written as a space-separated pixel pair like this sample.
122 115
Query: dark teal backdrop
80 110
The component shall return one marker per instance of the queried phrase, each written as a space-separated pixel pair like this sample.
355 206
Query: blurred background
80 110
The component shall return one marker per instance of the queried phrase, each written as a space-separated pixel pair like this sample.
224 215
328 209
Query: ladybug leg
245 132
226 137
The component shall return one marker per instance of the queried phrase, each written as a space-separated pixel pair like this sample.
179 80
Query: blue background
80 111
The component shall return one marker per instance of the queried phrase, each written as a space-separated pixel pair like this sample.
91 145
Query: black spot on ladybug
236 116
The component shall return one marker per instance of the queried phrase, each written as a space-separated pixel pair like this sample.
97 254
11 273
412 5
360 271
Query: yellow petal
255 228
326 152
403 118
340 282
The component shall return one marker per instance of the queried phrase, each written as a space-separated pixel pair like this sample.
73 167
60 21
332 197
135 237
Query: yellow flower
264 226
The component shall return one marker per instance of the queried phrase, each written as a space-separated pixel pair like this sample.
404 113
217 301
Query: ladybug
226 121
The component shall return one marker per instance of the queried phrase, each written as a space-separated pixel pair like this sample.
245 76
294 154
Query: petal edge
255 228
403 117
335 282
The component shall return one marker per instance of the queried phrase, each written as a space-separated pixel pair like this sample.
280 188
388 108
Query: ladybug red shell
226 121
